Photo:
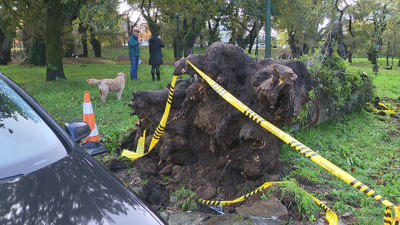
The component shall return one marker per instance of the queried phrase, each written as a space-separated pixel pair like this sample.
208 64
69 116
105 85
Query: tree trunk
350 57
82 31
387 54
53 41
95 45
293 46
152 24
253 35
178 55
241 42
374 57
321 109
36 51
6 37
191 33
188 48
335 37
213 32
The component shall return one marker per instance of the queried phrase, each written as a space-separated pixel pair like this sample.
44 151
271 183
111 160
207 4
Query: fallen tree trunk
208 144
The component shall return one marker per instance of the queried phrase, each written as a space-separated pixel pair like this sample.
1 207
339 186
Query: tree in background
375 15
246 20
301 22
391 36
7 33
42 25
161 16
24 16
98 24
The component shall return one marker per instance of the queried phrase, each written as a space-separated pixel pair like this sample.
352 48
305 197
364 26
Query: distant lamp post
15 51
256 47
177 36
268 30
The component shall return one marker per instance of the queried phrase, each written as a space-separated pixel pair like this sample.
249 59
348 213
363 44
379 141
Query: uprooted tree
209 145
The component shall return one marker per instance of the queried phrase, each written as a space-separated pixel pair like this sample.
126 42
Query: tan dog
114 85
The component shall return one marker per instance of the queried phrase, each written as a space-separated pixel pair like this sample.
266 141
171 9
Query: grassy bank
364 144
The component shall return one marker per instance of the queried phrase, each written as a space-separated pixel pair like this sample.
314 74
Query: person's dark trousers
157 69
134 67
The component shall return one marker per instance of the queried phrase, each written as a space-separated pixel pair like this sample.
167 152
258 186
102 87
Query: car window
26 142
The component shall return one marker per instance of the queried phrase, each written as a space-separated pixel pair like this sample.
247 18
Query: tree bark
96 45
82 31
374 57
37 51
213 32
296 51
6 37
350 57
335 37
321 109
53 41
253 35
191 33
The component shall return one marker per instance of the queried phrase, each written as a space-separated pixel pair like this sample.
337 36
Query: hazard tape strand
157 134
293 142
330 215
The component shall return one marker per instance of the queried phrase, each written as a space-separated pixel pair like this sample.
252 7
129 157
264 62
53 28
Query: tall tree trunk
53 41
37 51
349 57
293 45
5 46
374 57
387 54
188 50
253 35
213 31
95 45
241 42
351 46
150 17
335 36
82 31
178 54
191 33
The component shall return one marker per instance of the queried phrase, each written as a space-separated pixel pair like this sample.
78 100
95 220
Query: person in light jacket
155 45
134 52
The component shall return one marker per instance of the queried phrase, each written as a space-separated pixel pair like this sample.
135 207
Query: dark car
46 177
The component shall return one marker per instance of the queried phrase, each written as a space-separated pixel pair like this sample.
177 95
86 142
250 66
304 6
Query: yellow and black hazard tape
293 142
331 216
388 216
157 134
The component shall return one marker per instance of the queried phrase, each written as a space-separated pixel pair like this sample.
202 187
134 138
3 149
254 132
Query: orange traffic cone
396 220
92 144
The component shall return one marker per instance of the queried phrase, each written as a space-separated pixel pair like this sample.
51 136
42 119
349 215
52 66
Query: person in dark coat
155 45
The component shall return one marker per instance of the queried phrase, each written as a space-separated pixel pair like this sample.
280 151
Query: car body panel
75 183
72 189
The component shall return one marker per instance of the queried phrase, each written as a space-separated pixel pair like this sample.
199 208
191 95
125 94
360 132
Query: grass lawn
364 144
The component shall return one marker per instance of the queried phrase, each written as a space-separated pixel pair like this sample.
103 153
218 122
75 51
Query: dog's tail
93 81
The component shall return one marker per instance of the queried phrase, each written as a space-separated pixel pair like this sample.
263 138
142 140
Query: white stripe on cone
94 132
87 108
